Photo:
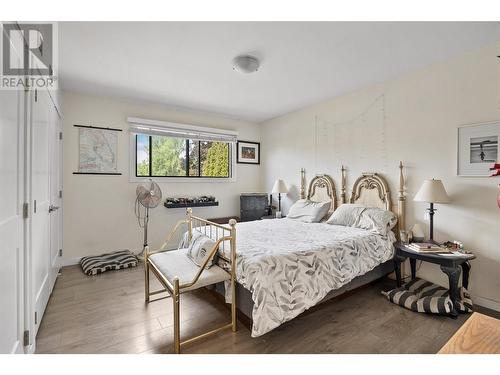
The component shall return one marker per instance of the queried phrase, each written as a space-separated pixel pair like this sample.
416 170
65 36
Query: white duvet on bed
289 266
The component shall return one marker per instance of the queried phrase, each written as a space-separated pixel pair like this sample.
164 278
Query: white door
42 273
11 220
55 208
31 173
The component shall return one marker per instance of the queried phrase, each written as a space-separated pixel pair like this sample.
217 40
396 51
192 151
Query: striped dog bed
423 296
94 265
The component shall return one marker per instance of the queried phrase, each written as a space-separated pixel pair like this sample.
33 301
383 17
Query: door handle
53 208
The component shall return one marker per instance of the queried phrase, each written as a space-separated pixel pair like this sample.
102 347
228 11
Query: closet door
11 221
41 268
55 207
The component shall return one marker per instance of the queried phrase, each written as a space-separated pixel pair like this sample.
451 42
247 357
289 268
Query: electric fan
148 196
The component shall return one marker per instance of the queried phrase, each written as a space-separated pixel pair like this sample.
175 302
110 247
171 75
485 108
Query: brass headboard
321 189
372 190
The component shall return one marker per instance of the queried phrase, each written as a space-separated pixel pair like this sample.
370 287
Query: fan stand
146 221
148 195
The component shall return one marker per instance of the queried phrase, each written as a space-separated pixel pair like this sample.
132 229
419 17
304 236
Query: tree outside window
160 156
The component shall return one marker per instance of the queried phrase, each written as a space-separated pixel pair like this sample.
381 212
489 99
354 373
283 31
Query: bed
284 267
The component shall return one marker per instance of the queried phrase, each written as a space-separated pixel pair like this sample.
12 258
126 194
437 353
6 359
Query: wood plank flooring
479 335
107 314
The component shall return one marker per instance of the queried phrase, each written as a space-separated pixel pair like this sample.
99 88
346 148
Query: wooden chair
178 274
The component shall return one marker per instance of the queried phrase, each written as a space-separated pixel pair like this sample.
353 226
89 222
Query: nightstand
451 265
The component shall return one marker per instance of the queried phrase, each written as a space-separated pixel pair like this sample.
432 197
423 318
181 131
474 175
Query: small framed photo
478 149
248 152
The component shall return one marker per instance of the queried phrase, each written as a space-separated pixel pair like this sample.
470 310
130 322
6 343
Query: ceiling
188 64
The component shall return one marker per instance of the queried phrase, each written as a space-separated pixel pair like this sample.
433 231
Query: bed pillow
200 248
308 211
377 220
370 218
347 215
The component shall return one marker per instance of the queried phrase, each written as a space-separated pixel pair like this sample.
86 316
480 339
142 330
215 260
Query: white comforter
290 266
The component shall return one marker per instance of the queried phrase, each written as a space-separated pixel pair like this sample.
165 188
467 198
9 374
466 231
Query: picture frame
248 152
477 149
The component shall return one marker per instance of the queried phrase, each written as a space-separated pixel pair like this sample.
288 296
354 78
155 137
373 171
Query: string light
361 116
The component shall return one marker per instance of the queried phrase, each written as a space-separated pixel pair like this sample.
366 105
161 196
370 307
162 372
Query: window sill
183 179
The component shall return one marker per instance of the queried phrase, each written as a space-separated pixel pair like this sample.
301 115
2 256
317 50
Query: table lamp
279 188
432 191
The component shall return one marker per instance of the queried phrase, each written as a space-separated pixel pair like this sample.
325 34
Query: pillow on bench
423 296
198 248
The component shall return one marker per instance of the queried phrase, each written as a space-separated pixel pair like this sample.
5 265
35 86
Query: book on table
426 247
429 248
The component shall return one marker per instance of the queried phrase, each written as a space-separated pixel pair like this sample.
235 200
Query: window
185 151
160 156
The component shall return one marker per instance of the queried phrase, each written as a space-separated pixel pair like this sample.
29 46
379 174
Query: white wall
419 127
99 210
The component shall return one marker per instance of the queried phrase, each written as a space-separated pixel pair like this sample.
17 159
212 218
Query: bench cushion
176 263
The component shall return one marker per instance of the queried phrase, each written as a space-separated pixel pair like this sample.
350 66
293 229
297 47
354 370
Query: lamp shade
279 187
432 191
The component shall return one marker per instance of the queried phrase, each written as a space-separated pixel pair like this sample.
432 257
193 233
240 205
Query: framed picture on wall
248 152
478 149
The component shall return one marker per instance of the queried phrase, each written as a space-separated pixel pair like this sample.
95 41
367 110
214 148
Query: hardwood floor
107 314
479 335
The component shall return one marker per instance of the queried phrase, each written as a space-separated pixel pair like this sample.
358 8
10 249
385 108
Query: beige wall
415 121
99 210
419 127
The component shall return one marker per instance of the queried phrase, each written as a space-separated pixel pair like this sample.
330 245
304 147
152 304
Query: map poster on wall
97 150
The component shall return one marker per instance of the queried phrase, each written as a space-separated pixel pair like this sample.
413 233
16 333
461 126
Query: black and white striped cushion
93 265
423 296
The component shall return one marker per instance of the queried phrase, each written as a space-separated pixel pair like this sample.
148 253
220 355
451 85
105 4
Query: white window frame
182 127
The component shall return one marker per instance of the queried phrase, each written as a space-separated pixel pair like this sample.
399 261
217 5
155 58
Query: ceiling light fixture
245 64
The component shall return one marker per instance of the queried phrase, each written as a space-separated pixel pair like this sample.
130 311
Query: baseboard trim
486 302
64 262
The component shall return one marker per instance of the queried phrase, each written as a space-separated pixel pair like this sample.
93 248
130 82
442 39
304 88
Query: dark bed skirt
245 302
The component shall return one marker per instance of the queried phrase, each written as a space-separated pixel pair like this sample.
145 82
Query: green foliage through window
159 156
